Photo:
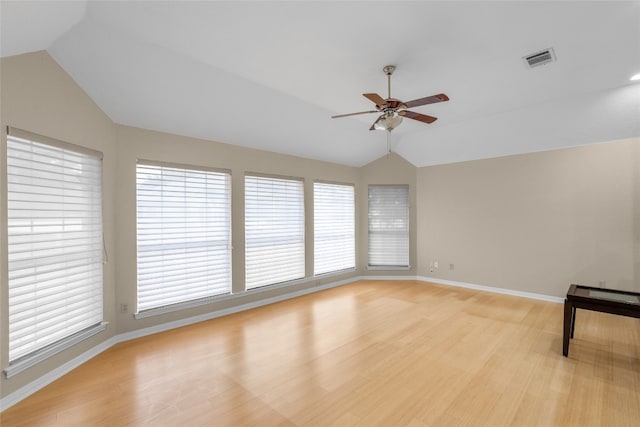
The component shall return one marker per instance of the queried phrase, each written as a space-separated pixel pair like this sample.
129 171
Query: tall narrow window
55 246
388 226
334 227
184 234
274 230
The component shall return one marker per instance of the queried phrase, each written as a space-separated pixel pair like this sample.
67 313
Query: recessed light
635 77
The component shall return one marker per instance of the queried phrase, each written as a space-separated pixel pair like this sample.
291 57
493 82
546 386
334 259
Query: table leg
568 308
573 320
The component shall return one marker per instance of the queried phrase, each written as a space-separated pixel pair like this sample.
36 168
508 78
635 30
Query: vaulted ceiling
269 74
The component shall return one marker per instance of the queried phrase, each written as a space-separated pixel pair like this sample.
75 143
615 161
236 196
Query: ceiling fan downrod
388 70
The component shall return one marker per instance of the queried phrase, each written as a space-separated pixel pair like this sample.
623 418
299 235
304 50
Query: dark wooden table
623 303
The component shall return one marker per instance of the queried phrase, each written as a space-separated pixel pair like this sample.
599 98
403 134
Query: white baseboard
27 390
48 378
483 288
226 311
53 375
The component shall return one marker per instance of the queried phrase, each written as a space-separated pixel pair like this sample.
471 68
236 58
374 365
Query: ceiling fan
393 110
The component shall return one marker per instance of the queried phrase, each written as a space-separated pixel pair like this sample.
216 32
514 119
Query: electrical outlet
450 266
602 283
435 264
124 308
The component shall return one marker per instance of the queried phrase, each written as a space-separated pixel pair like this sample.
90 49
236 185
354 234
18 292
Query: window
183 233
274 230
333 226
388 226
55 246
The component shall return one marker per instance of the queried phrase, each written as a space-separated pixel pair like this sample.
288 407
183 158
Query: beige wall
535 222
38 96
136 144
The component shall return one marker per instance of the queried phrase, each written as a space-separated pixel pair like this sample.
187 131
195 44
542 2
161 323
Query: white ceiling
270 74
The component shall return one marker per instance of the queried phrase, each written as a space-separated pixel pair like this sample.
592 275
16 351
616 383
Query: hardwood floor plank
398 353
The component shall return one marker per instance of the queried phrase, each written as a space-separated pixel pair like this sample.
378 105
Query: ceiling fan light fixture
388 123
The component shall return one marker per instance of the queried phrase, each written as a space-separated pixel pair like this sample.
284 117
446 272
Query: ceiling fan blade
354 114
373 126
417 116
441 97
375 98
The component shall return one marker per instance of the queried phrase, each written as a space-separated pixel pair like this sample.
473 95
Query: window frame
352 265
200 300
301 240
94 258
406 234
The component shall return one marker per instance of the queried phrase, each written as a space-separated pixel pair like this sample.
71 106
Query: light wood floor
368 353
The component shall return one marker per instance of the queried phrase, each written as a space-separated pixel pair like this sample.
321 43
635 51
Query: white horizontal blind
333 227
274 230
183 233
388 226
55 246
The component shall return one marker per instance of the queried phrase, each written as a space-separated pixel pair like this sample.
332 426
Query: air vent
540 58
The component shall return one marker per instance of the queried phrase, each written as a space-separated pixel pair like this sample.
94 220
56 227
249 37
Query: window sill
30 360
231 296
183 305
212 299
334 273
388 267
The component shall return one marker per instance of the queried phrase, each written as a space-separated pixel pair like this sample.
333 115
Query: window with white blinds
274 230
183 234
333 227
388 226
55 246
